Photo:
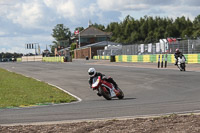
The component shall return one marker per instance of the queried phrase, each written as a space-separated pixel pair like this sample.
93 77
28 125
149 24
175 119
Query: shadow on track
114 99
126 98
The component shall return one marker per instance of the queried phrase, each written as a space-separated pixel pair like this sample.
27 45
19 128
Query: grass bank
17 90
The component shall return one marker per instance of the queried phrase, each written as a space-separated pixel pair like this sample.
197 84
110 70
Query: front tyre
105 93
121 94
183 67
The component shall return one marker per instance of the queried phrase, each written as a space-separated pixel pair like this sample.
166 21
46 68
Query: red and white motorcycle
106 89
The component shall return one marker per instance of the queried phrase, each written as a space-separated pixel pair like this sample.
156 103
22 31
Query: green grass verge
17 90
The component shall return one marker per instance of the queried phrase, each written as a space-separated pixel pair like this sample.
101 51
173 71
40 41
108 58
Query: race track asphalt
147 91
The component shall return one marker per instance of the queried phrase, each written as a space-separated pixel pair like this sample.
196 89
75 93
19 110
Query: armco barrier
44 59
190 58
19 59
31 58
101 57
198 58
53 59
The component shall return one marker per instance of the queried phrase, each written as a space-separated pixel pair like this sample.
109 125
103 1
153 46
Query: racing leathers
109 79
176 55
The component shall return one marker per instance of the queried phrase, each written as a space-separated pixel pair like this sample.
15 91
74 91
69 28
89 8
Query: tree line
10 55
147 29
151 29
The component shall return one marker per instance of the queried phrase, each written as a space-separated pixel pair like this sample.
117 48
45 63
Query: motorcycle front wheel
106 93
183 67
121 94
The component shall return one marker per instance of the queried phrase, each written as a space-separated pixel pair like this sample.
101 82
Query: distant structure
90 35
46 52
89 23
91 39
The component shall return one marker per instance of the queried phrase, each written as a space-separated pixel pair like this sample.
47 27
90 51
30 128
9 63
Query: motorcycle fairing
112 93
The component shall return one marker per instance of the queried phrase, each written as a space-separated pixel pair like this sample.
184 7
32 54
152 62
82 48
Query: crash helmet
177 50
91 72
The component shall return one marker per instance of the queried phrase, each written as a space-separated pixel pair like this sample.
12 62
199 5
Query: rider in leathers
178 54
92 72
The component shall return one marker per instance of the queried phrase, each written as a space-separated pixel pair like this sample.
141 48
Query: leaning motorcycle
106 89
181 63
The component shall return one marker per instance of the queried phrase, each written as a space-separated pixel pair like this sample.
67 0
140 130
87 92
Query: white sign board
142 48
157 47
150 47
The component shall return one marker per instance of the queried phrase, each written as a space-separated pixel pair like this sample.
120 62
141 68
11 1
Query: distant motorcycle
181 63
106 89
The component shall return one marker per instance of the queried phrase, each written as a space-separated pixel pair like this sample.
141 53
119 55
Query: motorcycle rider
93 73
178 54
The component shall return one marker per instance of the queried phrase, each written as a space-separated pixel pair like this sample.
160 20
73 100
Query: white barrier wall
31 58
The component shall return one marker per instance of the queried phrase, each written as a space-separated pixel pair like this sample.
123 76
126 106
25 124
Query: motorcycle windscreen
95 82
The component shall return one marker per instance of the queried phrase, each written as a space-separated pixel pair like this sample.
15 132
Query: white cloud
183 10
17 44
91 10
67 9
64 8
161 8
25 21
26 14
2 33
194 3
109 5
14 49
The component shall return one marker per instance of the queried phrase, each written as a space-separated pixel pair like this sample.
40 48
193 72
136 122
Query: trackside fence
190 58
185 46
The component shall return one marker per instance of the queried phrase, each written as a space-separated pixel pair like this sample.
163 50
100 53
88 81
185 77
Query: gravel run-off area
163 124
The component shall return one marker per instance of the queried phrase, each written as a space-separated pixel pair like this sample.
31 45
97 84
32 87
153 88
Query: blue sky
32 21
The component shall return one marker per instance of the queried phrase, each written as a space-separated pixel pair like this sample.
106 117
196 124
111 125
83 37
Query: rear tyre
121 94
106 93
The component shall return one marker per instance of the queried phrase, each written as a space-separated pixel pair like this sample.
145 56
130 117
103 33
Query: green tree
73 46
196 27
114 27
62 36
99 26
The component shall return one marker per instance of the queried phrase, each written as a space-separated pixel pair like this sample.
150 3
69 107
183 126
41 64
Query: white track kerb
79 100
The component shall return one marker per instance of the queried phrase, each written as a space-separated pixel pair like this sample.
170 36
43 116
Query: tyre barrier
168 58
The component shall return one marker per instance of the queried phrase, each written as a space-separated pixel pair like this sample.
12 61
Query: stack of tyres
112 58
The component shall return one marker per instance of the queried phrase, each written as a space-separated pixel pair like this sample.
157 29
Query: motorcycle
106 89
181 63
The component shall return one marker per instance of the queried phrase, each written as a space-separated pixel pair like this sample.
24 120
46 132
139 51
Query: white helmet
91 72
177 50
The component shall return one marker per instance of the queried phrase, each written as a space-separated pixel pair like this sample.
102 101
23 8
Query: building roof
65 49
92 31
99 44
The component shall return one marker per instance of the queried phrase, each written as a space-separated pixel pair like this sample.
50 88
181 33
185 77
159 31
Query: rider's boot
176 62
115 85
